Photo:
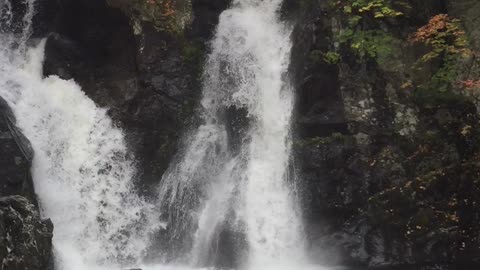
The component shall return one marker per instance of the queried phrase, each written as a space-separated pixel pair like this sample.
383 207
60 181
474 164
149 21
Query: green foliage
445 76
318 141
363 34
165 15
331 58
193 54
369 43
315 56
445 37
376 8
448 45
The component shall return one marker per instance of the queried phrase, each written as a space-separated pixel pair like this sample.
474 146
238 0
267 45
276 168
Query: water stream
82 172
218 185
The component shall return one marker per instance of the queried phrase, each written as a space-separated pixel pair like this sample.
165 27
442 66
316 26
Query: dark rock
237 127
149 79
14 23
25 239
377 162
16 157
206 17
374 157
44 19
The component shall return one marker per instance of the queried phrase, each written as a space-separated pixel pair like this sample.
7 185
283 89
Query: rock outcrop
389 169
16 157
25 239
148 76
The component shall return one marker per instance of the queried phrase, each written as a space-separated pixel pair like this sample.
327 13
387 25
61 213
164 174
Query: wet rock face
371 156
25 239
377 162
206 14
16 157
147 77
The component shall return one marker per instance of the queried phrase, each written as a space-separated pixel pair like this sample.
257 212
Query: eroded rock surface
25 239
148 76
389 170
15 159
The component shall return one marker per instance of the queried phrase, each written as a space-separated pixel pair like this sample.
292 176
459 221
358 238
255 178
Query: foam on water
249 192
82 171
84 175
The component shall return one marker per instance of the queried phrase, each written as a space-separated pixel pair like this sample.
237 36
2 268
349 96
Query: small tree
449 46
362 31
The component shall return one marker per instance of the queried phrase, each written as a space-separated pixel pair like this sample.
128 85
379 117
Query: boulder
25 239
16 157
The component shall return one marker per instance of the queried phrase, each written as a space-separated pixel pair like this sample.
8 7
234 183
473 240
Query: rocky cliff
142 60
386 124
25 239
16 157
388 140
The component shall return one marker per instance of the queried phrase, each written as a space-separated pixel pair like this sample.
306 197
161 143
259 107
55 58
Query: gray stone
15 159
25 239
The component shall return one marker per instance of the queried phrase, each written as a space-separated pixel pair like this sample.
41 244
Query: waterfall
82 171
213 188
229 178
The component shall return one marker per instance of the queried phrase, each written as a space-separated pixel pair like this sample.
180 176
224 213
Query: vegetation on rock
165 15
363 31
447 45
409 197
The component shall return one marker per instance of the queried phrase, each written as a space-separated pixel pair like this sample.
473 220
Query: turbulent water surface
221 183
82 172
247 191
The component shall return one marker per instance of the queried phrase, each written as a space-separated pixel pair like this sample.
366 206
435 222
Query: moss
165 15
318 141
426 98
375 44
193 52
318 57
315 56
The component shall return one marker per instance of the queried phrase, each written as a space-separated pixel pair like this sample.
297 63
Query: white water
84 175
249 192
82 172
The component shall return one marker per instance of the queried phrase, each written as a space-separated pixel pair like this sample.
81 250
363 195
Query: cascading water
81 169
84 175
248 191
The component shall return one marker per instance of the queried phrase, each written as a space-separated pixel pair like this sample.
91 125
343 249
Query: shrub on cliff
363 22
165 15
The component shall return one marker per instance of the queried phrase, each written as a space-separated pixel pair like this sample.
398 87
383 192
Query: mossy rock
166 15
